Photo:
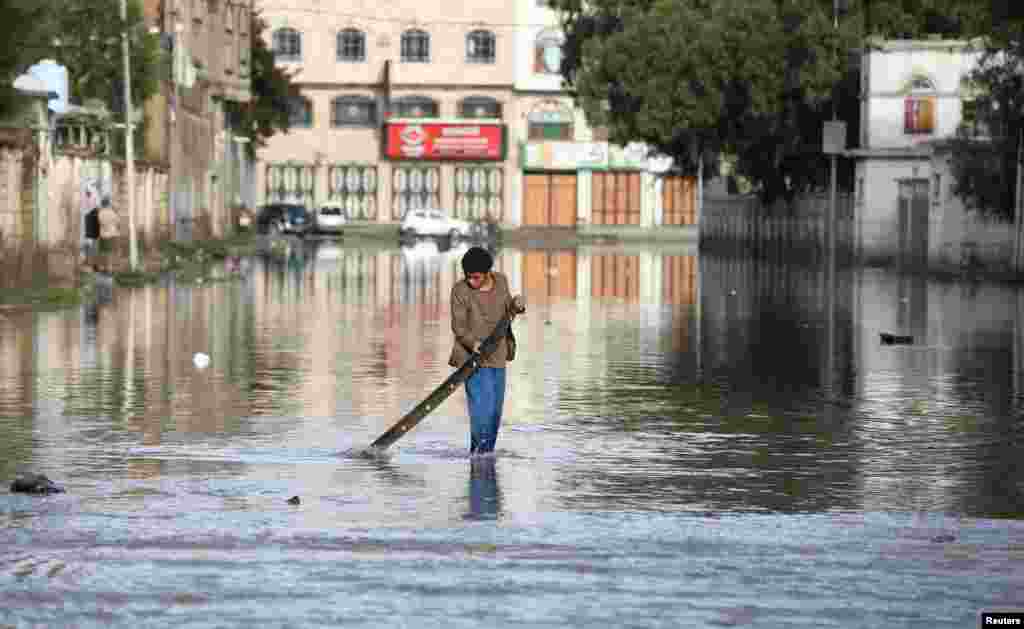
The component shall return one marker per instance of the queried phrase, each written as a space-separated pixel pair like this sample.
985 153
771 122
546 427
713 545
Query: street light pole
129 143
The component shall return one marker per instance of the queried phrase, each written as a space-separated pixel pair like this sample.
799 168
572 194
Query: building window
300 113
547 54
353 111
480 47
415 46
287 45
414 107
919 107
919 115
479 107
550 124
351 45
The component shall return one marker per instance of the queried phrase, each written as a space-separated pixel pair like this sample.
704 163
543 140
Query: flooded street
688 441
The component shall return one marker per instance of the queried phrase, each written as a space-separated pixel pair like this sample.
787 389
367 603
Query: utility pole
1018 239
129 141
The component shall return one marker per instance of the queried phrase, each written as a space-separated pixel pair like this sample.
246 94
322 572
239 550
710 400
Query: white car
330 219
433 222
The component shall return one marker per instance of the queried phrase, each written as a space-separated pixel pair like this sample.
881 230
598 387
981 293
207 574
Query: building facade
403 105
188 127
570 174
914 95
459 106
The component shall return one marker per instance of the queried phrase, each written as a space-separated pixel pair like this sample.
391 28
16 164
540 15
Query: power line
264 6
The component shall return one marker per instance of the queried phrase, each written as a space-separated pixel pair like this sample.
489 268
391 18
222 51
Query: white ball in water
201 360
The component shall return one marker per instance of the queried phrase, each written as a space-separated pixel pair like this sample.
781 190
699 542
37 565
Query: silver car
433 222
330 219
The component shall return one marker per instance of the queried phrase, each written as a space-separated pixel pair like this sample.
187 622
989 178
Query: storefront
455 164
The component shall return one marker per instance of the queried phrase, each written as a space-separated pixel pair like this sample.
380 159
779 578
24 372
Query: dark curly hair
477 260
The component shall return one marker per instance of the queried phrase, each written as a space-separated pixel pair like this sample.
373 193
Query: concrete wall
211 52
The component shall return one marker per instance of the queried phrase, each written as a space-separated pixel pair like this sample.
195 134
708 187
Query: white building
912 100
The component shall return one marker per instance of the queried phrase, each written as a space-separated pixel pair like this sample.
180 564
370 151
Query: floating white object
201 360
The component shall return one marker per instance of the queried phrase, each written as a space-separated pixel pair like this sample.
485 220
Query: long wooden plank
442 392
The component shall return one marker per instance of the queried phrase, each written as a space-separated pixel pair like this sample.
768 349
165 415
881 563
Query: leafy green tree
19 36
85 37
985 154
267 112
755 79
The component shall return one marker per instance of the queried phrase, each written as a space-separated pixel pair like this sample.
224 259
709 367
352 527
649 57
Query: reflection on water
696 372
650 382
484 489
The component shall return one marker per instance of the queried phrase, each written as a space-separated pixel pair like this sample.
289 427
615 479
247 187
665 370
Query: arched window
287 44
415 46
300 113
353 111
550 123
920 83
919 106
479 107
414 107
480 47
547 53
351 45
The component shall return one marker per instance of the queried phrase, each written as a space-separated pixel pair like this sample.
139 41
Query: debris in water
895 339
35 484
294 500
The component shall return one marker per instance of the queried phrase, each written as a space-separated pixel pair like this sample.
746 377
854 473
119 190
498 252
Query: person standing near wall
110 228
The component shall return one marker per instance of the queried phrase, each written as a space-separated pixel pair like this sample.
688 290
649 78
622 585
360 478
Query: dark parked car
284 218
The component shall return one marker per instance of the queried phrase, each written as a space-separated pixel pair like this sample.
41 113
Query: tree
268 111
85 37
985 151
755 79
19 37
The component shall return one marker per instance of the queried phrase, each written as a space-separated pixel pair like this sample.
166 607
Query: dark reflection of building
485 499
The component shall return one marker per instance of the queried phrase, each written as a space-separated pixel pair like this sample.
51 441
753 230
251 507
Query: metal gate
615 198
414 187
291 183
549 200
479 192
354 187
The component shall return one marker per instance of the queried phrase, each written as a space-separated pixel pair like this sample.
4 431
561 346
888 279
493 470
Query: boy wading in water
478 302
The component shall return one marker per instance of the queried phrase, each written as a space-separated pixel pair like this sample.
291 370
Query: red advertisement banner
444 140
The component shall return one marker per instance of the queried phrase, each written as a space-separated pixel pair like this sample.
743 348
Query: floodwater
688 441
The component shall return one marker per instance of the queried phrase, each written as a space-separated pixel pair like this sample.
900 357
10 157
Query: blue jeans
485 394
